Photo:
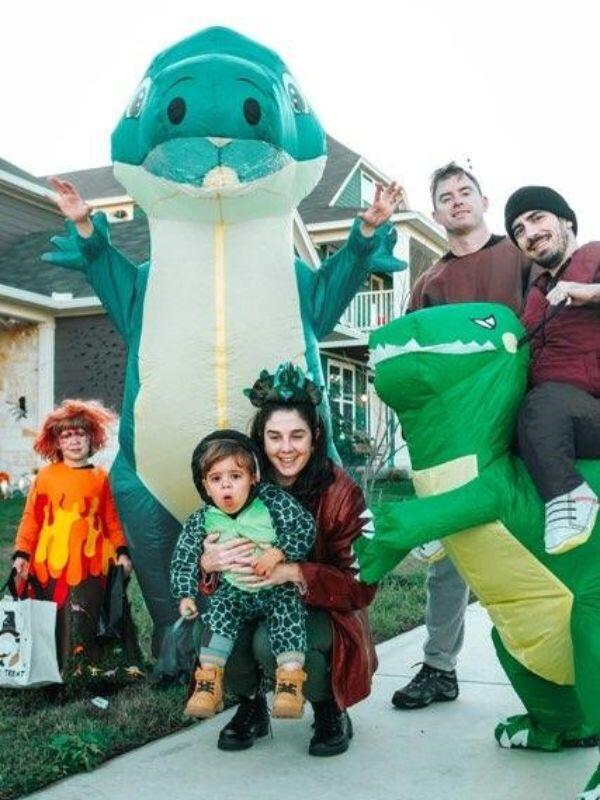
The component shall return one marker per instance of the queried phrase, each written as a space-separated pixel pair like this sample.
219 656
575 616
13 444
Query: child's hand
125 562
187 608
265 564
22 567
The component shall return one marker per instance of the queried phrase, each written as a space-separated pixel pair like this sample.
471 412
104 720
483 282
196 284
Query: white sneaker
570 519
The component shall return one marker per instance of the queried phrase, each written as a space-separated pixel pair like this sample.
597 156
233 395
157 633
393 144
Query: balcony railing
369 310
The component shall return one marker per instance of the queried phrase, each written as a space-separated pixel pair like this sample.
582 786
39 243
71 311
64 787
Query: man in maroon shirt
560 417
479 266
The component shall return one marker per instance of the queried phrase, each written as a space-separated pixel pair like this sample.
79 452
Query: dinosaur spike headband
288 384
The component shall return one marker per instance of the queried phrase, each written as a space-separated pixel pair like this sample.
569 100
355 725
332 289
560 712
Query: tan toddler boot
288 702
207 698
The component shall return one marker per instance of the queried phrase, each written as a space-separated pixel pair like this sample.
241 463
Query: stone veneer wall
18 378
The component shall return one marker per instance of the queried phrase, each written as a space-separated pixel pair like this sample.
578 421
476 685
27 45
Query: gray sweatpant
447 598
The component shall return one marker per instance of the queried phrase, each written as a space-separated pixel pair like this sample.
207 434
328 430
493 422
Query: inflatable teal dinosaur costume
456 377
218 146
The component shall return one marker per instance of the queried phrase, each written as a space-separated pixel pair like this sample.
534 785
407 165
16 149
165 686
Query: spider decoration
17 408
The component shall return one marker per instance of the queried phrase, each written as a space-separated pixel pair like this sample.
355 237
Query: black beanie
216 436
536 198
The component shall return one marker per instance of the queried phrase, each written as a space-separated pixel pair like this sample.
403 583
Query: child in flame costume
70 533
226 472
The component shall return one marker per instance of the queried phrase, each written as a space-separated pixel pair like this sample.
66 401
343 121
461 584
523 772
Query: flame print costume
70 530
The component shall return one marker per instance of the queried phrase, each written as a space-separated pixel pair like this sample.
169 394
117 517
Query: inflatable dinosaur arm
399 527
424 519
326 291
112 276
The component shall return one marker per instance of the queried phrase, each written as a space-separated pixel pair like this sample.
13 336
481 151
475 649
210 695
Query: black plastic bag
112 622
177 652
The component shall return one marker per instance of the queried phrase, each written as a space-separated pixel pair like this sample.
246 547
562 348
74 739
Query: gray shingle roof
6 166
21 267
315 207
95 183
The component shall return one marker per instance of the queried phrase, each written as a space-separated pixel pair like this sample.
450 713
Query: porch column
401 285
401 280
46 331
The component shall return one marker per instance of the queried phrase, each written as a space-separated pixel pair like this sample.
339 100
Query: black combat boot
250 722
333 730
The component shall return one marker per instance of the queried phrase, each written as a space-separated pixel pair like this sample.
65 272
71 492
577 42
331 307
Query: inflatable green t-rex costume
456 377
218 146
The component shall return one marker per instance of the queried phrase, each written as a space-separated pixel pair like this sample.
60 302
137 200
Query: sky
509 87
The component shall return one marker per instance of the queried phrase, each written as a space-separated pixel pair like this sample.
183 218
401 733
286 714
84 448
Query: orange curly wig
92 416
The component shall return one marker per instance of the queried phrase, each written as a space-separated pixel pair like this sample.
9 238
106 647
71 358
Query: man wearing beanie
478 266
560 417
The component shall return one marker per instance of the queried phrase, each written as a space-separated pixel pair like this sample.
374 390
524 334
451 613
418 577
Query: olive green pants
252 658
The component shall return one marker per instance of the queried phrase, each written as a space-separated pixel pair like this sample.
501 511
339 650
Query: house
56 341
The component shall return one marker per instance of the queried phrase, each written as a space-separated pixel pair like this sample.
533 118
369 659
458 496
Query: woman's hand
72 205
282 573
22 567
125 562
188 608
219 557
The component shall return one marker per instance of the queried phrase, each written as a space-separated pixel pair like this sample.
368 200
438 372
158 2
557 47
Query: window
327 250
341 384
377 283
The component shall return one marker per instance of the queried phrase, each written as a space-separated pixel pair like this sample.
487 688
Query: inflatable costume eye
252 111
138 101
489 323
297 99
176 110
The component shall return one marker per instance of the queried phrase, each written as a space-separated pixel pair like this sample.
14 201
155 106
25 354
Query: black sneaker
333 730
585 741
428 686
250 722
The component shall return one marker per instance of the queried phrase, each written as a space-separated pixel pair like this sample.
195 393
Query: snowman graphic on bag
10 637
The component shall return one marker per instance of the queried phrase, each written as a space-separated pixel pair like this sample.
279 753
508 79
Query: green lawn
46 734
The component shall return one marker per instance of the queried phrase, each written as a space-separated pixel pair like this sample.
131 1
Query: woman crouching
340 658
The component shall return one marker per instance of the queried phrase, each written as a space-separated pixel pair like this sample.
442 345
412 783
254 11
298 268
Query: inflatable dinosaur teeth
385 352
392 341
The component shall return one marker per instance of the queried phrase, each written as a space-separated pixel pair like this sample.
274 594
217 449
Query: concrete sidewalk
446 752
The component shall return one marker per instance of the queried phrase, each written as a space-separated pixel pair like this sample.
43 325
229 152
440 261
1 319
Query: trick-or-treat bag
115 607
27 642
